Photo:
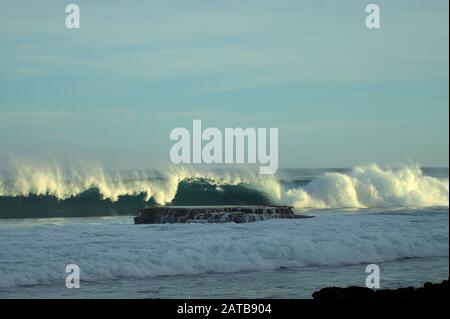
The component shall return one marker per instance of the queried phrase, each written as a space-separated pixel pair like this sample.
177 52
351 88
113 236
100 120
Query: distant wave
34 191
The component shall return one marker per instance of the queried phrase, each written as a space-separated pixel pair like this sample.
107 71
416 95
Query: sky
111 92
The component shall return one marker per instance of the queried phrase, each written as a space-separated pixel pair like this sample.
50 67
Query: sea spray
360 187
371 186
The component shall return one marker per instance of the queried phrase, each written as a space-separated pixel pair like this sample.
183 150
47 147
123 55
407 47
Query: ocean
395 218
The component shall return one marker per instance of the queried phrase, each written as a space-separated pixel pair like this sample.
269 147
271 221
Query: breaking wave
372 186
36 191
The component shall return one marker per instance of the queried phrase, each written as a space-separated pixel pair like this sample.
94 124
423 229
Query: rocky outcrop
429 290
213 214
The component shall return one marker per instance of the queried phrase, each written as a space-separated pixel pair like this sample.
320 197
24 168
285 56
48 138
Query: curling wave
34 191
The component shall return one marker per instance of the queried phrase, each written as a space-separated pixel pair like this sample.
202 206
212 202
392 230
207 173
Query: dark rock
214 214
428 291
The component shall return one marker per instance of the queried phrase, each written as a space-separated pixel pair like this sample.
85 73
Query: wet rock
213 214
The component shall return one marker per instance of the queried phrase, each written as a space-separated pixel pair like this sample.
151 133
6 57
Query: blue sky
111 92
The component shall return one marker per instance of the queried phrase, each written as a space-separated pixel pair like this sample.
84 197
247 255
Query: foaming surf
45 191
124 251
371 186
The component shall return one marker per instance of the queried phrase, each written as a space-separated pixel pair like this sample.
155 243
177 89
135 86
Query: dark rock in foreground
213 214
428 291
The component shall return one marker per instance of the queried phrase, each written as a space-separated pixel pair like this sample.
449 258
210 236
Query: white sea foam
372 186
365 186
32 253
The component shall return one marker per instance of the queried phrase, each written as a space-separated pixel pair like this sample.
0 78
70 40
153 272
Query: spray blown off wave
360 187
160 187
372 186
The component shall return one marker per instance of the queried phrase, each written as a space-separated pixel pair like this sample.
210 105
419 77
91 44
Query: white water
365 186
35 252
372 186
275 258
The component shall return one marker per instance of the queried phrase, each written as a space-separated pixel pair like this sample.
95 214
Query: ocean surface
49 218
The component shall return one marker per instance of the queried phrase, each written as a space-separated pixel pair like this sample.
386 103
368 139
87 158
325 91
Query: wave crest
361 187
372 186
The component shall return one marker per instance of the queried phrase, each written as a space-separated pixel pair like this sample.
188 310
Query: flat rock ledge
214 214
